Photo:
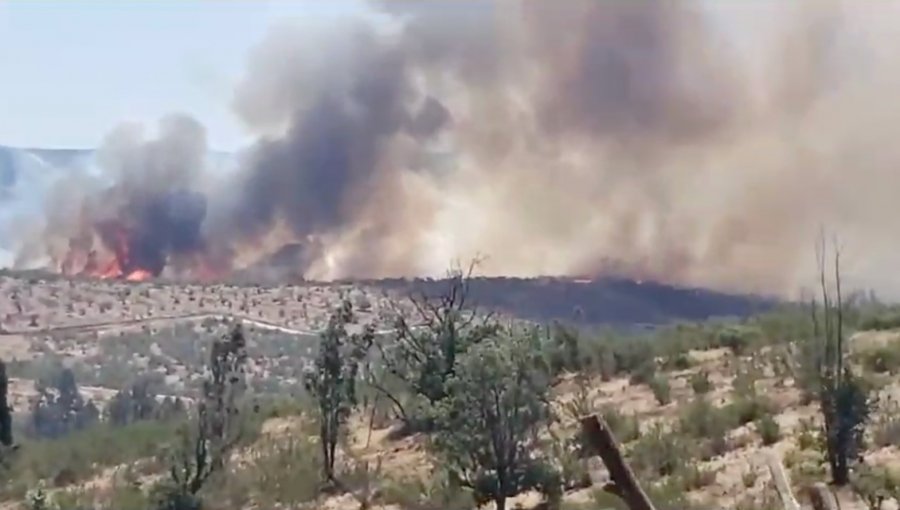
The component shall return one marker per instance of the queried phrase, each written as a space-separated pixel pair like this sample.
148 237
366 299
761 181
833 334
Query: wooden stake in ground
624 484
782 483
822 498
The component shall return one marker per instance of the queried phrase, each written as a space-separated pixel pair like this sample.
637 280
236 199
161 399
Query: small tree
332 381
487 426
843 400
423 353
215 428
60 408
133 404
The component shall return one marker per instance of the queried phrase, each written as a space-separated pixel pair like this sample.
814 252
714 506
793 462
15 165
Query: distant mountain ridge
600 301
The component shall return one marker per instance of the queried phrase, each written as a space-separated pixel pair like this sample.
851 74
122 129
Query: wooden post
624 484
782 483
822 498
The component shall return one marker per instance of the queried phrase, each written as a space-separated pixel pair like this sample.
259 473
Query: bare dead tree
842 399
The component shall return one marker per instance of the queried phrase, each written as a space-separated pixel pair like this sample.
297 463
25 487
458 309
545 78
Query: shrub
738 338
665 496
86 452
282 470
700 419
700 383
661 389
693 477
768 429
876 485
883 359
744 383
634 355
746 409
886 428
626 428
644 373
678 361
707 425
808 438
658 453
881 322
749 477
438 492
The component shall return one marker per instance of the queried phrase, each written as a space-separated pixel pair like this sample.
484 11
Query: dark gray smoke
144 210
647 139
333 144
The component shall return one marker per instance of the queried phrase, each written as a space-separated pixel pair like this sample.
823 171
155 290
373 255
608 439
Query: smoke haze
689 143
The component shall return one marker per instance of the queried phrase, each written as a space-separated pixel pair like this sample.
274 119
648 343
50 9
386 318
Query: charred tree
843 399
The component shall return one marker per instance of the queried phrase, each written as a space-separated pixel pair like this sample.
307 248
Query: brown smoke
581 137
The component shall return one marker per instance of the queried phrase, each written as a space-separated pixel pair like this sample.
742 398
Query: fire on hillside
114 251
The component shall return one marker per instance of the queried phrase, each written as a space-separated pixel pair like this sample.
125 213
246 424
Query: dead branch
624 484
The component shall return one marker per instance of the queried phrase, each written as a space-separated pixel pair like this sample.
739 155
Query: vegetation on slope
482 411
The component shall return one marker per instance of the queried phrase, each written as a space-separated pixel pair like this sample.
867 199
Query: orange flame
139 275
108 257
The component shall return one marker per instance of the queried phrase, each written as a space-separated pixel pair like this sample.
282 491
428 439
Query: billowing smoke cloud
649 139
144 208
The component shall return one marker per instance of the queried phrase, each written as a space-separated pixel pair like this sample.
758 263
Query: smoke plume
645 139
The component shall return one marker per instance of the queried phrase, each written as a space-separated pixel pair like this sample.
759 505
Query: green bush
886 428
678 361
693 477
875 485
437 492
644 373
700 419
700 383
880 322
658 453
624 427
738 338
883 359
661 389
84 453
746 409
808 438
707 426
283 470
768 429
666 495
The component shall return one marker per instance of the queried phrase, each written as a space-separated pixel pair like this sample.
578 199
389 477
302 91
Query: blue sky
71 70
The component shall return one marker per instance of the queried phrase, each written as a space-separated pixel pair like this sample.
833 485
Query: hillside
699 408
594 302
